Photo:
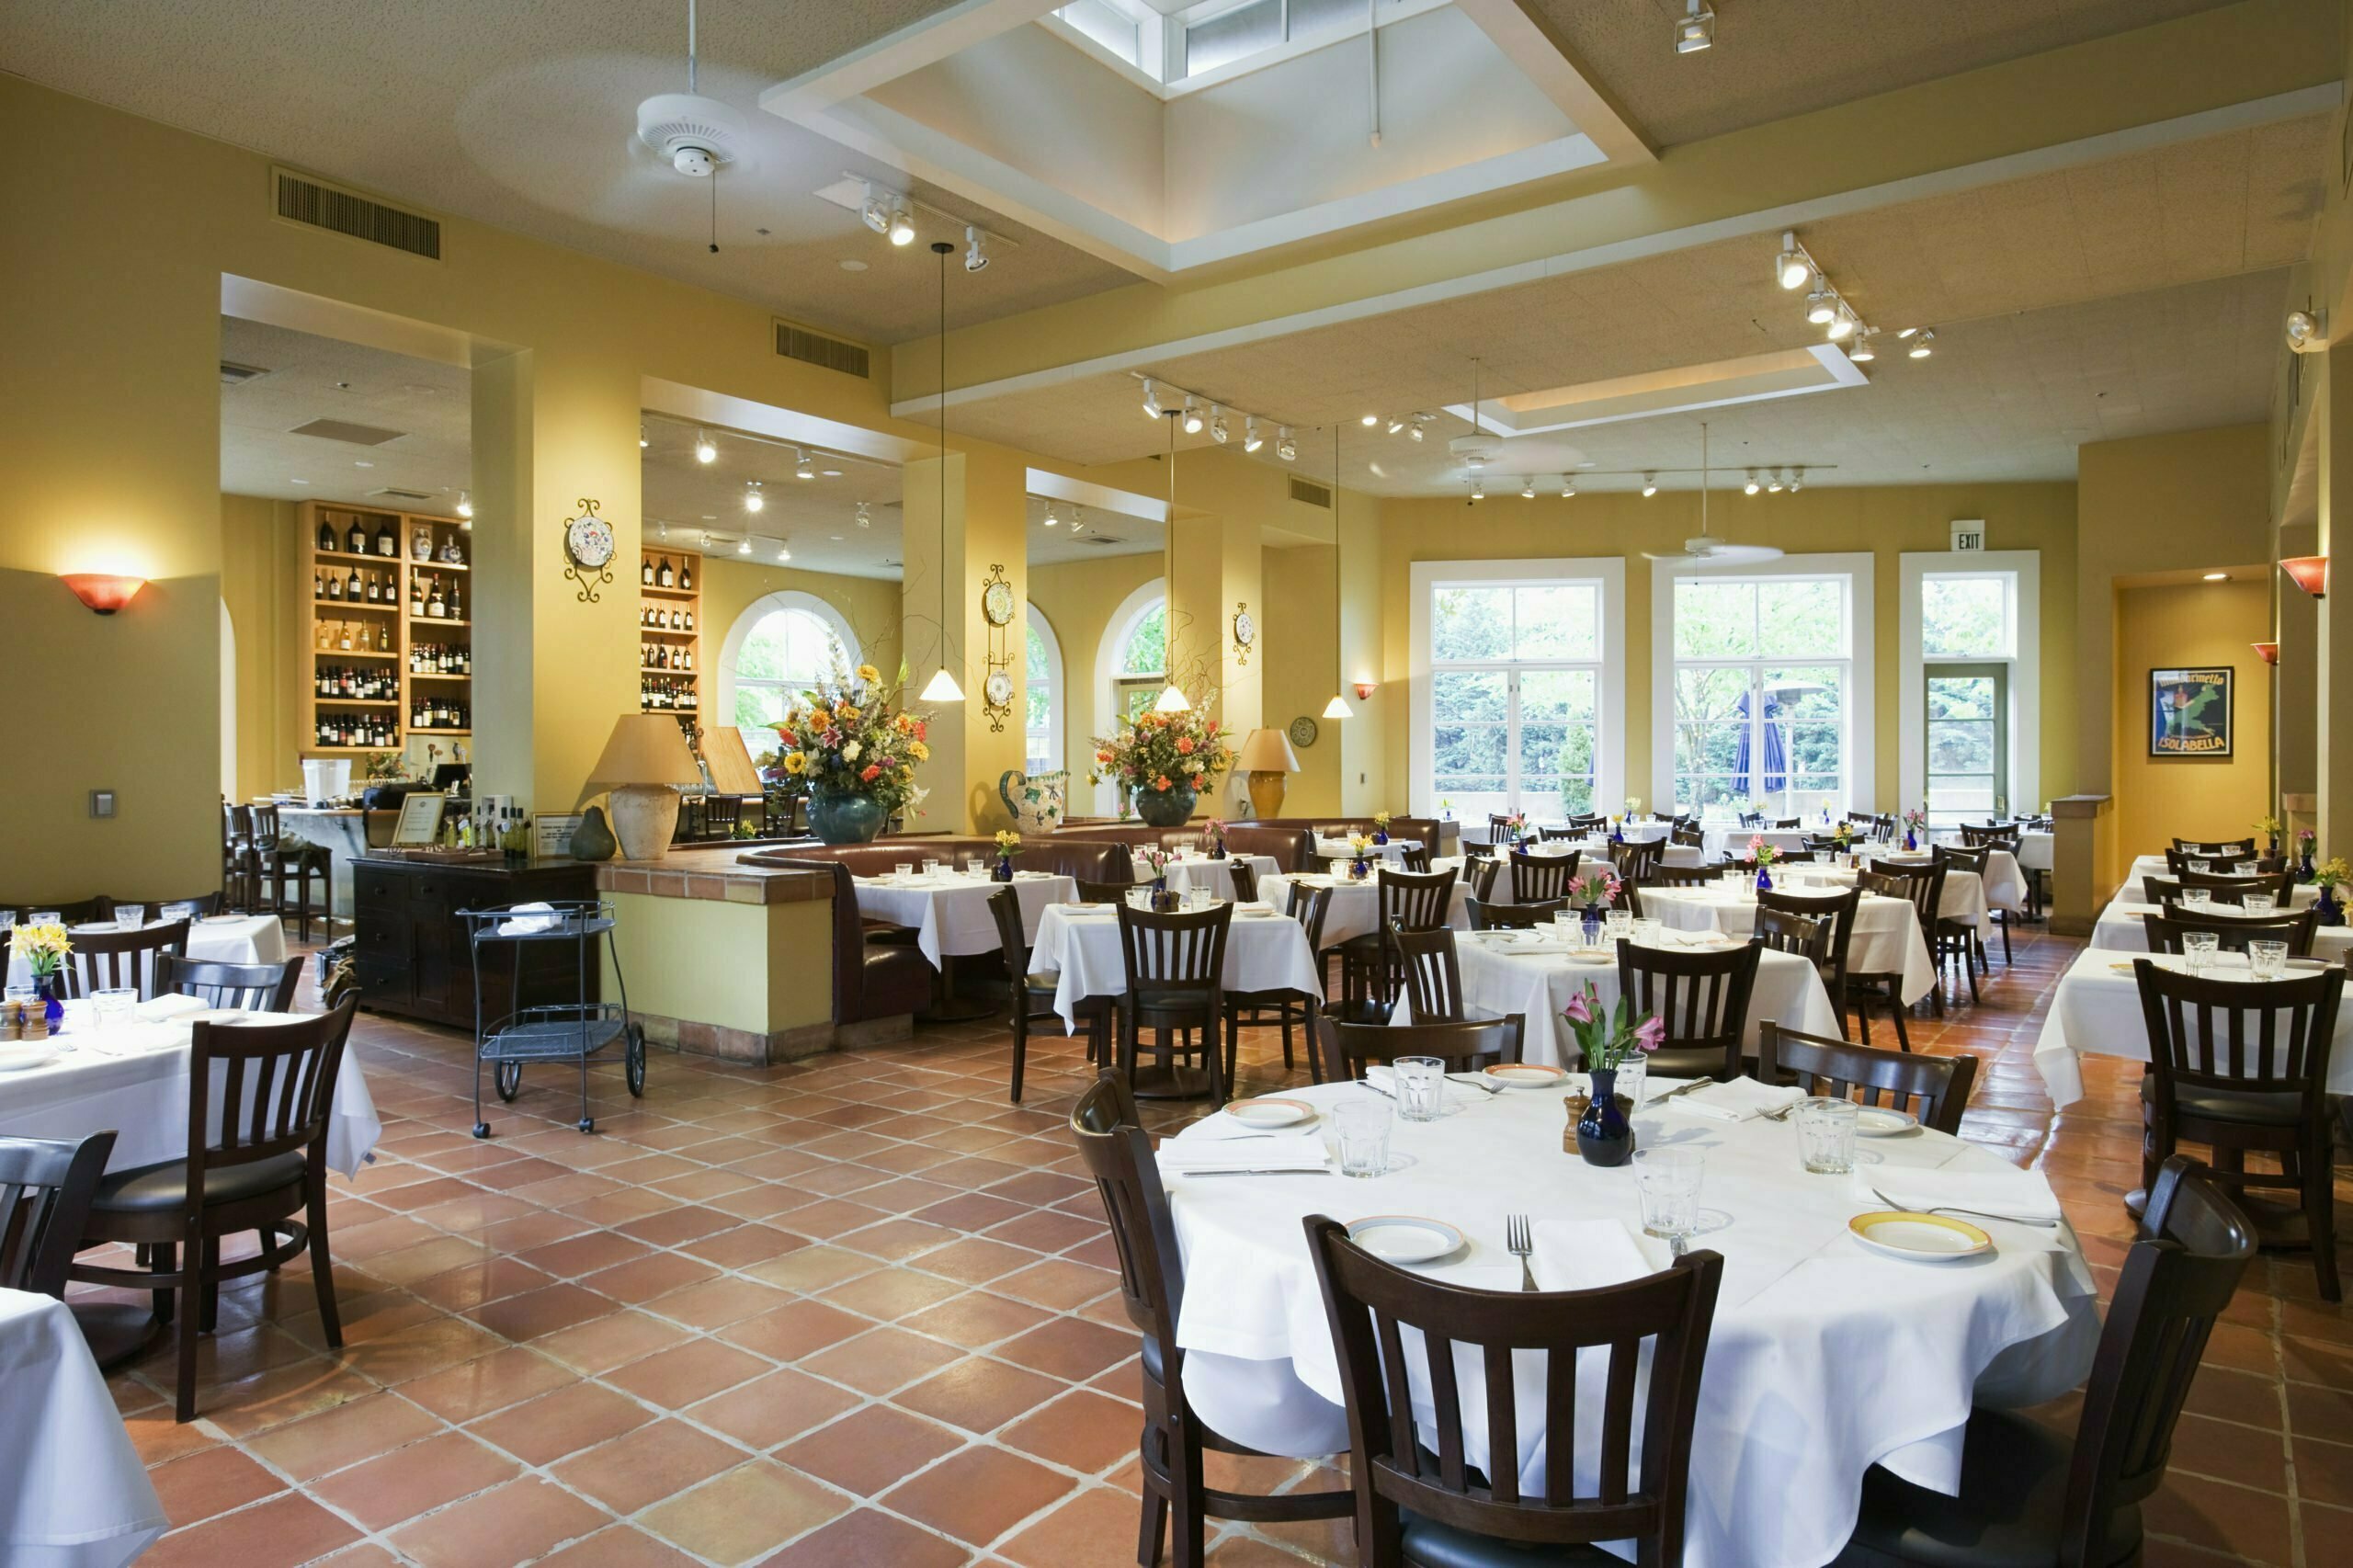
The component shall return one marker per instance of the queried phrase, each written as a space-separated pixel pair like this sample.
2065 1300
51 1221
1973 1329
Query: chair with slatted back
1690 838
1642 1342
1474 850
1286 1010
1479 876
1788 825
1977 835
1924 888
2213 850
1246 880
105 959
1956 934
2231 931
241 865
1118 1156
46 1187
1541 879
1836 914
722 815
1032 996
2230 891
1933 1088
1433 974
1102 892
284 857
1488 916
2032 1496
1407 900
1464 1045
1866 987
1175 966
1634 861
1498 829
1415 858
2242 1067
1701 997
1806 936
259 1100
1566 833
255 987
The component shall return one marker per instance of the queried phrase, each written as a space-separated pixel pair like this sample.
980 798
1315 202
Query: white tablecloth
2034 850
73 1493
1887 938
951 911
1393 852
133 1078
1825 1358
1533 973
2134 891
225 938
1080 943
2120 930
1355 909
1216 876
1966 896
1732 843
2096 1010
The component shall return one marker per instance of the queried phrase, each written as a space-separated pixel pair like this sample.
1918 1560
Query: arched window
1043 696
781 645
1143 651
1131 665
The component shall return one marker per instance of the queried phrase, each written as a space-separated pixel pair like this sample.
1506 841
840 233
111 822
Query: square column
983 511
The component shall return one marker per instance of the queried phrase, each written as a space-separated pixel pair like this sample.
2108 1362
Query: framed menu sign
2190 713
420 823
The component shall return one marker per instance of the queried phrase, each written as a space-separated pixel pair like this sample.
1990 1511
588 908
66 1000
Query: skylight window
1106 25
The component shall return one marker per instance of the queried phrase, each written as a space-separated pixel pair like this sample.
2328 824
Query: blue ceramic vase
1604 1135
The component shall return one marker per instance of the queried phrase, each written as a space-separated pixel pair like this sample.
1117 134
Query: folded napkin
1585 1255
537 917
163 1009
1737 1101
1298 1152
1221 1128
2023 1194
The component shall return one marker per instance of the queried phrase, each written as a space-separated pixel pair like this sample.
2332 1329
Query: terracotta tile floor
856 1312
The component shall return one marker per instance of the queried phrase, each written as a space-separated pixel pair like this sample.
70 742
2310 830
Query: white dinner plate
1270 1113
17 1055
1596 956
1404 1238
1880 1121
1525 1074
1934 1238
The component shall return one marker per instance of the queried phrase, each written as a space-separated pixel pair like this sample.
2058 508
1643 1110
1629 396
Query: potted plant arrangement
1764 855
1381 827
1915 826
1593 890
1360 853
1167 759
44 948
1215 828
2269 827
2328 876
855 749
1154 861
1606 1040
1008 845
2306 841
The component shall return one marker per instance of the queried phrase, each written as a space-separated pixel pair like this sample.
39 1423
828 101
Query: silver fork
1521 1243
1976 1213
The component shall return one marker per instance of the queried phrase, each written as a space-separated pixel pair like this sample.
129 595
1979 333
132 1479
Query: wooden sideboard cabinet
413 953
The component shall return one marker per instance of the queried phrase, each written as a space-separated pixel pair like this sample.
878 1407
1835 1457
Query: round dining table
1825 1358
1079 945
72 1491
214 939
1887 938
1355 909
1215 878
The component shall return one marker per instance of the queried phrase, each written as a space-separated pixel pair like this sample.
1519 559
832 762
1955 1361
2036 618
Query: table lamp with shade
646 762
1266 756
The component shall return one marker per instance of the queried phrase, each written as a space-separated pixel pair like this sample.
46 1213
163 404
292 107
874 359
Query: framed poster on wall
2190 713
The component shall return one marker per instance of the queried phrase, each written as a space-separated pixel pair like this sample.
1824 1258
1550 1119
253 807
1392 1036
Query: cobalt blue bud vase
1591 924
1604 1136
1381 835
1004 872
1910 843
2327 911
1764 880
50 990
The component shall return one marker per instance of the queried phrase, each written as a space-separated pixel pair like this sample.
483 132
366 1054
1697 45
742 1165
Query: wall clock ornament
1245 632
589 551
1303 731
997 685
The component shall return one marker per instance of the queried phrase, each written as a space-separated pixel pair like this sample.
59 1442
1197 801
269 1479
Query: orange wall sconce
2310 573
1364 690
2268 652
102 591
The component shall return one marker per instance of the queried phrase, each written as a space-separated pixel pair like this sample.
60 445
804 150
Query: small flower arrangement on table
1381 827
1633 807
1215 830
1594 888
1842 834
44 948
1915 826
2307 846
1008 845
1606 1040
2329 876
1764 855
1360 857
1515 827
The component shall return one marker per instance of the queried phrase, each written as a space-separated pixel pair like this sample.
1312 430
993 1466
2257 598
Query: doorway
1968 740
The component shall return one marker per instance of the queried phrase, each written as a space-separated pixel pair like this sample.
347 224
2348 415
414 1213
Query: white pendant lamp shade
1172 700
1338 707
942 688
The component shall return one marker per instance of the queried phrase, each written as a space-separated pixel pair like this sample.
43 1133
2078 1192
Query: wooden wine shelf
688 599
398 571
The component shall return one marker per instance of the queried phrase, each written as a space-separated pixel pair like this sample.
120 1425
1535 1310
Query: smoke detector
695 135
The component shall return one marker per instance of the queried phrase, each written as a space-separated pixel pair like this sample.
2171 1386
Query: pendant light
1172 696
1338 707
942 687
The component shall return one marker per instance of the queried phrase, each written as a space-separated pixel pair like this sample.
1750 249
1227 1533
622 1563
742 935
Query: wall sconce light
2310 573
102 591
2268 652
1364 690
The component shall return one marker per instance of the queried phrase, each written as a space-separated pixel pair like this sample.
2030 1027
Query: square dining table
2096 1011
1187 872
1355 909
2120 930
214 939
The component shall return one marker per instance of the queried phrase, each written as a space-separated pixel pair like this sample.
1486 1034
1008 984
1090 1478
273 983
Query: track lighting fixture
864 521
1793 266
1527 490
1568 489
1650 485
1842 324
1369 420
1421 422
1908 332
1152 409
706 449
753 501
1752 487
902 225
743 545
1797 479
1219 429
1395 426
1919 350
1077 522
803 468
1862 353
1193 416
1285 448
874 211
975 257
1251 439
783 551
641 435
1773 485
1821 305
1052 521
1694 30
465 504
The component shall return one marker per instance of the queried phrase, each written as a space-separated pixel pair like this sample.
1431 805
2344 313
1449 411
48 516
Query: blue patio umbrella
1777 752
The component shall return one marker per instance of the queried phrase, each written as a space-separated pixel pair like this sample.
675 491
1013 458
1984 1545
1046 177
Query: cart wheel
482 1129
587 1124
508 1075
634 1061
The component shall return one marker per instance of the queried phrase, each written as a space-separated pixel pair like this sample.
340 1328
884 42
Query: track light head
1219 430
1193 416
1694 30
1251 439
875 211
1052 521
1369 420
1842 324
1793 266
706 449
1797 479
1773 485
1152 409
642 442
1568 489
465 504
1650 485
902 225
783 551
754 500
1908 332
1285 448
1527 490
1919 350
864 521
1821 305
743 545
803 468
976 256
1862 353
1752 487
1420 424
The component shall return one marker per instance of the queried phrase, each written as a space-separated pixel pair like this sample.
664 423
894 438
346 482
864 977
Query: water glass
129 916
2246 868
1668 1181
113 1004
46 917
1646 930
1617 925
2259 903
1633 1074
2266 959
1197 898
931 866
1421 1087
2201 867
174 912
1827 1135
904 869
7 919
2196 898
975 867
1139 898
2199 947
1363 1129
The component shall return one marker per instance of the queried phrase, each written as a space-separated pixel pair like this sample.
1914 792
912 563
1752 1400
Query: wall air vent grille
815 348
393 494
235 375
301 199
1314 494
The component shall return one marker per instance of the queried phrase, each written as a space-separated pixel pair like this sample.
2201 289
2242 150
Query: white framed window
1131 666
1519 685
779 647
1765 687
1041 694
1969 654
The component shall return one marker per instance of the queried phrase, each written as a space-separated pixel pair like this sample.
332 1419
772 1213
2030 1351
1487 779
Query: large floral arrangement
849 737
1608 1038
1162 750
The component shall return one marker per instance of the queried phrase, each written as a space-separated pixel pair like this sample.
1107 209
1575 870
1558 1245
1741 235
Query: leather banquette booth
1290 842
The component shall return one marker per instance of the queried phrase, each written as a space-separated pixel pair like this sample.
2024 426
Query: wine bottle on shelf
357 539
351 588
457 601
384 638
387 542
666 578
345 645
318 584
326 537
374 593
687 575
645 571
434 609
689 625
335 587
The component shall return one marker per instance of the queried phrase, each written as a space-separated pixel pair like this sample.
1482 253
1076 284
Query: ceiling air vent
1314 494
345 430
301 199
815 348
393 494
1099 538
235 375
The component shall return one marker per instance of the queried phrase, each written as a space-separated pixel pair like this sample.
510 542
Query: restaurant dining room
1231 783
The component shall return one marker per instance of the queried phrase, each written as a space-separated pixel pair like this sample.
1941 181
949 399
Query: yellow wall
1297 641
1077 597
265 564
2160 799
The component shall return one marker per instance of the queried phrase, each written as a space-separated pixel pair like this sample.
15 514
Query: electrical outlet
102 803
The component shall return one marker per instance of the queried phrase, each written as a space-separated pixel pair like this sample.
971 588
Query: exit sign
1969 533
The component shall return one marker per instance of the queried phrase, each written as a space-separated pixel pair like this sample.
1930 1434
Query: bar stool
302 862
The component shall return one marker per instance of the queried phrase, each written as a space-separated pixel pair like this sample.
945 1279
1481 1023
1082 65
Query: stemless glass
931 866
1197 898
1827 1135
2259 903
2199 947
1421 1087
1633 1074
1668 1182
1645 931
1363 1129
2196 898
113 1004
904 869
974 866
2246 868
2266 959
129 916
2200 867
1617 925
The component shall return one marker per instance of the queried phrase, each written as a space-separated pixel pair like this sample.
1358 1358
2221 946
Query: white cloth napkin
163 1009
1295 1153
537 917
1585 1255
1738 1100
2023 1194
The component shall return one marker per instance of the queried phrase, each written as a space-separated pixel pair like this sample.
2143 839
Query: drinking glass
1646 930
1363 1129
2199 947
46 917
974 866
2246 868
172 912
1730 881
1421 1087
1197 898
1827 1135
1668 1181
2266 959
2201 867
904 869
2259 903
1633 1074
7 919
113 1004
1617 925
2196 898
931 866
129 916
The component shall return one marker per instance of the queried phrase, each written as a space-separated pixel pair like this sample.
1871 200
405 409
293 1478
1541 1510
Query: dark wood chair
1691 837
1032 996
1806 936
2033 1497
2242 1067
1465 1045
1479 876
195 908
1152 1288
104 959
1102 892
1286 1010
2232 933
69 911
1924 887
1962 933
1497 827
1702 998
1837 914
1933 1089
1437 1509
2213 849
1415 858
1407 900
1636 862
1485 916
282 859
722 815
1567 831
2221 888
1433 974
1867 987
241 870
256 1157
1541 878
1246 880
1474 850
46 1187
255 987
1176 969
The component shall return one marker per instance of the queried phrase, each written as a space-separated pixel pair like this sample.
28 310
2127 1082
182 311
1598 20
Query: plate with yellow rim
1524 1074
1930 1238
1270 1112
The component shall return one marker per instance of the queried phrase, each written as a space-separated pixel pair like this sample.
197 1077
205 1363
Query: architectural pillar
2333 641
957 535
